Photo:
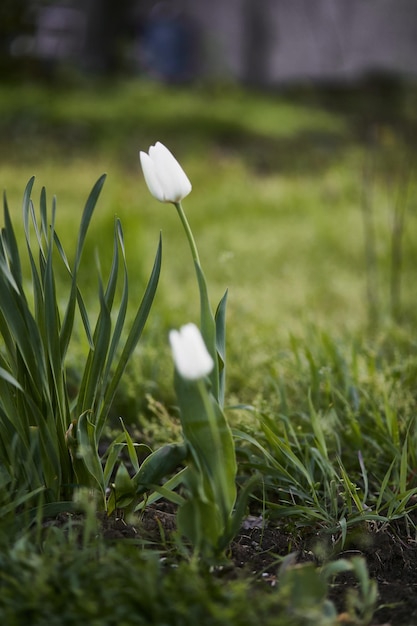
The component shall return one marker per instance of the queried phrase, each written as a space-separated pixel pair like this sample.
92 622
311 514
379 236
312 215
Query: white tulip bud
164 176
191 357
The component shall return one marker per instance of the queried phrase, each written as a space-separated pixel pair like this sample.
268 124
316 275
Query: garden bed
258 551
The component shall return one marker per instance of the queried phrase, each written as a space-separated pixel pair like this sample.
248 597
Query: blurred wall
260 42
274 41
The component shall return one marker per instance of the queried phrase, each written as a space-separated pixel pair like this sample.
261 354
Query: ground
389 550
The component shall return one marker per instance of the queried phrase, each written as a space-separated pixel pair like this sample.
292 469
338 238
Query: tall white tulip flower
191 357
164 176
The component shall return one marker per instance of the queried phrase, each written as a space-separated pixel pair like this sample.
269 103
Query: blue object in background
168 45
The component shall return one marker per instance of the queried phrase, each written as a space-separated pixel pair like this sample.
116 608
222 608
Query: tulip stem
188 232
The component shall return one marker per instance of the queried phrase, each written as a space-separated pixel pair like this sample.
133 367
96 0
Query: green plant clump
122 584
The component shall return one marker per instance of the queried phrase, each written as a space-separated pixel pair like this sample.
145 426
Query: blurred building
276 41
263 42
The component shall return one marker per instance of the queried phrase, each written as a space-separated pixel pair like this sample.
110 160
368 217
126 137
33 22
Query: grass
339 434
281 183
285 179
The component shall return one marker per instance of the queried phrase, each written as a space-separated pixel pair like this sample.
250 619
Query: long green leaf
52 330
220 321
121 316
14 257
24 330
112 456
109 298
236 519
133 457
96 360
208 330
8 377
133 337
26 198
75 295
211 442
86 218
169 486
37 280
67 325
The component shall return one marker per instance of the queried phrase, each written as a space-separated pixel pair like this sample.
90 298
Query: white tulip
164 176
189 352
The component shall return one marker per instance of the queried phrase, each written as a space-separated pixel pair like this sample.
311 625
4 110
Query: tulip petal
191 357
151 176
174 181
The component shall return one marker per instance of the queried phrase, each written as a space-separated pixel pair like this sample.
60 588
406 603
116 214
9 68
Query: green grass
279 182
284 179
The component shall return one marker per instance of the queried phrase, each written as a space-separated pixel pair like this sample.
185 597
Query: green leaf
168 487
74 298
208 330
123 489
220 320
8 377
158 465
164 492
133 337
24 330
239 512
14 258
52 330
37 276
75 295
26 197
67 325
133 457
87 450
210 440
111 457
202 523
121 316
96 360
86 217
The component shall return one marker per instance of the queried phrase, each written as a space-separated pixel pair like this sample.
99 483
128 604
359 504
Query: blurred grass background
279 185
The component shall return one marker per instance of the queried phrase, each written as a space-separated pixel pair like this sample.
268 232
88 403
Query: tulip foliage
49 439
209 515
54 432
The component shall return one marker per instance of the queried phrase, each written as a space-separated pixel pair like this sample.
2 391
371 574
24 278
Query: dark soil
390 553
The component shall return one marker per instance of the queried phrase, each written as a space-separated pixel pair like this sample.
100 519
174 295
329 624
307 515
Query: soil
389 550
